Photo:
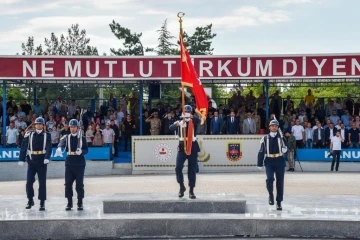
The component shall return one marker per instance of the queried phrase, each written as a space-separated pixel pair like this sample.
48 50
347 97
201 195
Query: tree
132 43
75 43
165 46
200 42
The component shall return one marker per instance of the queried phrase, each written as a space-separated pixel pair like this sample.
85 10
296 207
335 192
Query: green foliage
165 46
131 41
200 42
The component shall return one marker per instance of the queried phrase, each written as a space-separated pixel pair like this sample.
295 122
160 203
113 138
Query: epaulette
27 134
63 137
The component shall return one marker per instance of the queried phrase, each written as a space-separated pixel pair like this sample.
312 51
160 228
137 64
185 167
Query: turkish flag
190 78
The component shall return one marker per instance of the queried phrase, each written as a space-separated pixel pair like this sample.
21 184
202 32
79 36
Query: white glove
284 149
182 124
46 161
78 151
260 168
21 163
58 151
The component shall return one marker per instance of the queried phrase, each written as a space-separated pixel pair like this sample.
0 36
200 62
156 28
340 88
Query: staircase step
165 203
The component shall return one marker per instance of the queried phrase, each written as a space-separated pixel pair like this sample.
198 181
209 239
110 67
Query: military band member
36 150
189 152
273 146
76 147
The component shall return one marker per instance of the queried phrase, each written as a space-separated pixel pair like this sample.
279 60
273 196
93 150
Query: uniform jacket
37 145
74 160
273 148
195 145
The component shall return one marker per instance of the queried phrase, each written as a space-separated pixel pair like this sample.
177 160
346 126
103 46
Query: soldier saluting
36 150
273 146
188 149
76 147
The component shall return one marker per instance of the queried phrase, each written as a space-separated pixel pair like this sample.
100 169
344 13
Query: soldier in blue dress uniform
182 156
76 147
36 150
273 147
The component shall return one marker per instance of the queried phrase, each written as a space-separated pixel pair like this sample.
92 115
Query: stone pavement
297 183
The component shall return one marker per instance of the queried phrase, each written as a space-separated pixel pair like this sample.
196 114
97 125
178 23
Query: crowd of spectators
311 123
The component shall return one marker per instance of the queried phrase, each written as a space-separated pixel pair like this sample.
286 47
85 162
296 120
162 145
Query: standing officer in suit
319 137
273 146
216 124
190 151
249 125
36 149
330 132
232 124
76 147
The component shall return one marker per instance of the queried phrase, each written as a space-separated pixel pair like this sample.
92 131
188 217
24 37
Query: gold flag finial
180 15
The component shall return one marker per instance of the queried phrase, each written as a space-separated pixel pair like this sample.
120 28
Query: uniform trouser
72 174
192 162
336 158
39 169
290 156
275 166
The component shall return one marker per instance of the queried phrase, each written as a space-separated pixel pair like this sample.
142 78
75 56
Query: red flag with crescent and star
190 78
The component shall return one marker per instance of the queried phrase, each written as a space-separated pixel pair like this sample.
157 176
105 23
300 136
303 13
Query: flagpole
180 15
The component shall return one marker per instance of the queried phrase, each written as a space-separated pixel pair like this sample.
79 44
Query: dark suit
316 142
327 136
216 125
232 127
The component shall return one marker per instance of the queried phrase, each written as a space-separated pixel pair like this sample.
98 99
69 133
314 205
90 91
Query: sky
242 26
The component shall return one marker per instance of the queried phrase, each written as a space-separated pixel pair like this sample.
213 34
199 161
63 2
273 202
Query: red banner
158 68
189 77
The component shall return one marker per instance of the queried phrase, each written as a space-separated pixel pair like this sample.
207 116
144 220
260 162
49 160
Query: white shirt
249 120
21 124
342 133
336 143
12 135
331 133
232 119
108 135
319 134
297 131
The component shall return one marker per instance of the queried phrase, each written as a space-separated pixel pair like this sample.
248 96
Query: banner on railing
12 154
322 155
228 153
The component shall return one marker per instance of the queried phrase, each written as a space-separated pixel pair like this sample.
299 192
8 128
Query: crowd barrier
322 155
95 153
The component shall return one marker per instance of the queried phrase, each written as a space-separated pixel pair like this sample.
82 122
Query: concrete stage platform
166 203
319 205
303 216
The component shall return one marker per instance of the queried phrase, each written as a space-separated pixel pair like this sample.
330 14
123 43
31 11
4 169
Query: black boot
278 206
191 193
69 205
182 190
80 204
30 203
42 205
271 200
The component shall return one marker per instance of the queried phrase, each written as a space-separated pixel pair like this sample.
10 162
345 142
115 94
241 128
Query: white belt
182 139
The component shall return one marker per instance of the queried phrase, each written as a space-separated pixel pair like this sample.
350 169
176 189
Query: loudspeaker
155 91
